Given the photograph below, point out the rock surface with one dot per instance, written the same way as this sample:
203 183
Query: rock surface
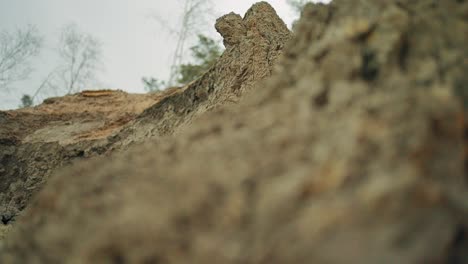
253 44
352 152
35 142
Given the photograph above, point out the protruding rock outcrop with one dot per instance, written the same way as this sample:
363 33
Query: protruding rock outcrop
253 44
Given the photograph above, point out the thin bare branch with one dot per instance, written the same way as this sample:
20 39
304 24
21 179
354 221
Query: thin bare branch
81 56
16 50
191 23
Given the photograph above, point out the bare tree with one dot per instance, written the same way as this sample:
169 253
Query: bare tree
16 50
47 86
191 23
81 57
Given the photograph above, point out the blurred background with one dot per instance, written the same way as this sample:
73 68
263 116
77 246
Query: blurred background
56 47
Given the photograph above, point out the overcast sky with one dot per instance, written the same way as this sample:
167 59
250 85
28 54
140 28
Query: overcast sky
133 44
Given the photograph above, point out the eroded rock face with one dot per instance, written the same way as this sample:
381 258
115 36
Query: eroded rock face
253 44
34 143
351 153
232 29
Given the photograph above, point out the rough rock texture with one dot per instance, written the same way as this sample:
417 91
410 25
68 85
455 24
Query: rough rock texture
253 44
35 142
351 153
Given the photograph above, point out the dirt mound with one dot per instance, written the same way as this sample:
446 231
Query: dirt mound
351 153
36 142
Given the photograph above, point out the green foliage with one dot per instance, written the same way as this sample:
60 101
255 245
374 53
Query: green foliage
26 101
205 54
152 84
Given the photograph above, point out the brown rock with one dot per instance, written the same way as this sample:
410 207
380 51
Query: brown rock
351 153
232 29
252 46
35 142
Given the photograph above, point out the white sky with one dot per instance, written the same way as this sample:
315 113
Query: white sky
134 45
